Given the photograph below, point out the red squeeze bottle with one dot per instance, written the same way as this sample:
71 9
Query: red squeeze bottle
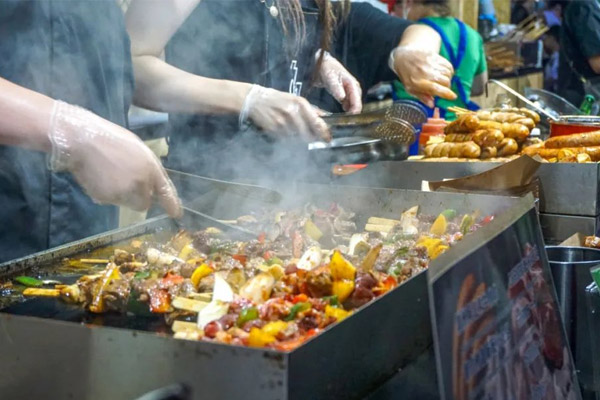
433 127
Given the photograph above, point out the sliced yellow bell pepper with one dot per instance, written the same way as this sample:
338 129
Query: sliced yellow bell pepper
273 328
199 273
342 289
437 251
312 230
258 338
186 251
341 268
439 226
431 244
337 313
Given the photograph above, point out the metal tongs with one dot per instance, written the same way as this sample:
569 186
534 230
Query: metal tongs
244 190
522 98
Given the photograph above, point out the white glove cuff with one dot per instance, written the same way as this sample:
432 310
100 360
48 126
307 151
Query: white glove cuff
246 107
60 155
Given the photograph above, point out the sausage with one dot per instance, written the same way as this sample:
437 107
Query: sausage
514 131
528 122
488 137
530 114
508 147
449 149
592 151
576 140
489 152
464 123
459 137
527 113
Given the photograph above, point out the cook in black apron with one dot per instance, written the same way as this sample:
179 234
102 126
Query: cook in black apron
76 51
240 40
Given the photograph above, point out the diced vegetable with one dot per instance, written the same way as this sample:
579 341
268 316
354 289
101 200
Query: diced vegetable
312 230
241 258
343 289
341 268
337 313
300 298
199 273
183 303
142 275
359 244
259 288
449 214
258 338
212 312
221 290
434 246
274 328
186 252
247 315
160 301
297 308
184 326
171 279
439 226
437 251
333 300
28 281
273 260
371 258
466 224
311 259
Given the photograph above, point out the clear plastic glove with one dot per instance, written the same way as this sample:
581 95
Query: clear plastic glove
340 83
283 114
424 74
112 164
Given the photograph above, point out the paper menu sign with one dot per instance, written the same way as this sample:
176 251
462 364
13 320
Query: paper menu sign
496 323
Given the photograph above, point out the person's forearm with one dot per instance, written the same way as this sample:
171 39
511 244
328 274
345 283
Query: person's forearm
423 37
162 87
24 117
594 63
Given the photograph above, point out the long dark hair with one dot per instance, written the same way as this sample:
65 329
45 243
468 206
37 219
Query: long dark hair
292 20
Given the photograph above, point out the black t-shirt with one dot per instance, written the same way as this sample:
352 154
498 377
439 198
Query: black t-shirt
580 40
363 44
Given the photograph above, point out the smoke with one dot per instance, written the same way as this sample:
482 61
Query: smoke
239 41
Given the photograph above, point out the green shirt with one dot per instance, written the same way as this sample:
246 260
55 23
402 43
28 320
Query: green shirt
473 62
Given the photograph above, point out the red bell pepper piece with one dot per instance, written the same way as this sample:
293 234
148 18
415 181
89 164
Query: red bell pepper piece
160 301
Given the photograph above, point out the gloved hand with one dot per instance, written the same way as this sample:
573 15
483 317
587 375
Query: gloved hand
112 164
279 113
424 74
340 84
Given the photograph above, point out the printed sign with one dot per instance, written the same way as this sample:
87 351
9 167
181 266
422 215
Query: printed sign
497 328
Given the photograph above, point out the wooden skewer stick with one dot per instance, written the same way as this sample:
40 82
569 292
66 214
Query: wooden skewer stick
94 261
41 292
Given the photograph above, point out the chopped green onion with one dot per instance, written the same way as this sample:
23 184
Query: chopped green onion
29 281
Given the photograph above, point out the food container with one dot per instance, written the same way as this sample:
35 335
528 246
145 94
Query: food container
571 124
570 268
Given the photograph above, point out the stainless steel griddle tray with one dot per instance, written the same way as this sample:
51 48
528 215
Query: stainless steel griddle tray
348 360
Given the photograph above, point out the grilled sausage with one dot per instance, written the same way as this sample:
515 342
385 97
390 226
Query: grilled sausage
508 147
576 140
464 123
514 131
488 137
489 152
459 137
448 149
592 151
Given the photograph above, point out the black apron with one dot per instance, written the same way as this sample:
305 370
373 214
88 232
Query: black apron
239 40
76 51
